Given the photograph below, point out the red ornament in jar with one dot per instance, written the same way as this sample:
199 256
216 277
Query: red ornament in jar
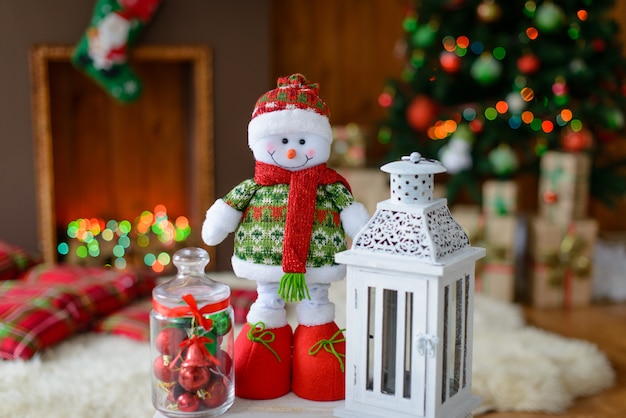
188 402
192 378
162 369
216 393
169 339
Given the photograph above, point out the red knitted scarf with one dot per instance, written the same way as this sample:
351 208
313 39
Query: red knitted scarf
300 206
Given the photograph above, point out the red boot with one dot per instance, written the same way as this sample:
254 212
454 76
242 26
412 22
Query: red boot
263 362
318 362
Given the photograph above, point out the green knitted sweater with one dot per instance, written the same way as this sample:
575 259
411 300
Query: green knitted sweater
259 236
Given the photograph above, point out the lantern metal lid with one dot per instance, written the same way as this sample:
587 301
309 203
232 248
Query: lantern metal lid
412 178
412 223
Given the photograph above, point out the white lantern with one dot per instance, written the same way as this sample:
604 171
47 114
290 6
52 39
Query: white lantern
409 312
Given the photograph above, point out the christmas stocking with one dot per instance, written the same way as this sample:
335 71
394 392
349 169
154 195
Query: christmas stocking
102 52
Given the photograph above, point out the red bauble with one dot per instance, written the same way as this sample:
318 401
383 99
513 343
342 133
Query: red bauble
162 370
421 113
576 140
188 402
216 394
192 378
168 339
385 99
226 363
476 126
175 392
598 45
550 197
528 64
450 62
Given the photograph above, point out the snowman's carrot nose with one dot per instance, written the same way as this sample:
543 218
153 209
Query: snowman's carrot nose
291 153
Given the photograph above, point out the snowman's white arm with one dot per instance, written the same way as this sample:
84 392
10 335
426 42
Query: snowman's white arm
220 220
353 218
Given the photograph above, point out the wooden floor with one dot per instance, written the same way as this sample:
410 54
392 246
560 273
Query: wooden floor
604 325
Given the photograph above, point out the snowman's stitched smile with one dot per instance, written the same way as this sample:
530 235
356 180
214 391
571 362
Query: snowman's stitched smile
271 154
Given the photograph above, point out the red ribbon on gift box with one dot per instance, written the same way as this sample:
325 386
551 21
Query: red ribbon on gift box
566 263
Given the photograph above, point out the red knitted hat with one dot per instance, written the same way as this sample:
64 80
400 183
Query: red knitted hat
293 107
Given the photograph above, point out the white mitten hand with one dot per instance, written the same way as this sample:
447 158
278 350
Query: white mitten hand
220 221
353 218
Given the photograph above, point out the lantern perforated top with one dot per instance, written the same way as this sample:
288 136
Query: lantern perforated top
412 179
412 223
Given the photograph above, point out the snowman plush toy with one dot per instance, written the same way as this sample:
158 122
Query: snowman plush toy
289 221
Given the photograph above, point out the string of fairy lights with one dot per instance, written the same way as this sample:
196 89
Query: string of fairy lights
152 231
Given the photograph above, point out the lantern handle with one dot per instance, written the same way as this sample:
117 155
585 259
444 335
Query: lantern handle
417 158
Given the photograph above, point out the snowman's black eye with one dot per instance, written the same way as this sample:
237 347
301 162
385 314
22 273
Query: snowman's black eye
302 142
285 140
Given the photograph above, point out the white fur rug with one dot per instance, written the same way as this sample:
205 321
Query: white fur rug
522 368
516 367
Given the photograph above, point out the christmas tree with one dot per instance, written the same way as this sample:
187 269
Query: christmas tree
491 85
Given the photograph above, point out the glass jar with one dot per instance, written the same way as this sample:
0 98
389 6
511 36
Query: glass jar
191 341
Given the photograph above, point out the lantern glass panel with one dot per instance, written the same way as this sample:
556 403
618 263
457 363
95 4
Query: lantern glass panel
455 382
408 332
456 298
390 328
389 347
371 324
453 344
465 316
446 343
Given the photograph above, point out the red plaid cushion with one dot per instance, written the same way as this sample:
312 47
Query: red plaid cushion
14 292
132 321
14 261
54 301
101 290
33 317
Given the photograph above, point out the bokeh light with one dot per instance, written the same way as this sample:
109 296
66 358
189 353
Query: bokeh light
527 94
92 233
532 33
547 126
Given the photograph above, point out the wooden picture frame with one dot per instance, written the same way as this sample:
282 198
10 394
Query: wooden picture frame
198 121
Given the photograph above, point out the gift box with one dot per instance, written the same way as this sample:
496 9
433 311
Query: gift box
495 274
471 220
500 197
564 186
348 148
561 270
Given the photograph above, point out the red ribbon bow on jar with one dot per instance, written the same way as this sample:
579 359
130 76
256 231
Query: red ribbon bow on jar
192 309
197 353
